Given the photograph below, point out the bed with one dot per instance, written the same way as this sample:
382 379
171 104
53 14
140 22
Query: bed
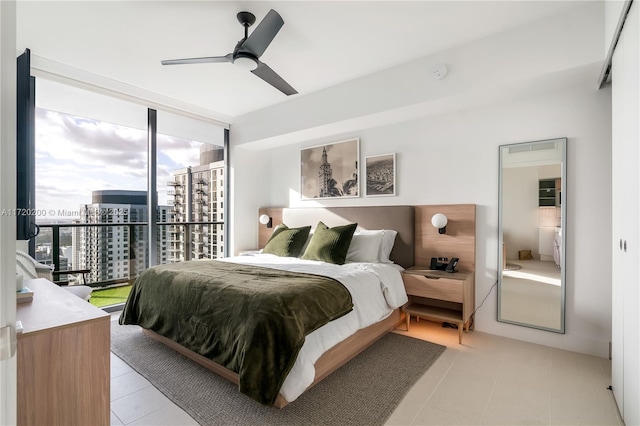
374 290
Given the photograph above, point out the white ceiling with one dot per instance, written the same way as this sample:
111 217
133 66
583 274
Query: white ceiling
322 43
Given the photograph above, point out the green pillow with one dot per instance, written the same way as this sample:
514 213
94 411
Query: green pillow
287 242
330 244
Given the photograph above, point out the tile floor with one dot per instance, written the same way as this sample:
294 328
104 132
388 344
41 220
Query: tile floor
487 380
134 401
492 380
532 294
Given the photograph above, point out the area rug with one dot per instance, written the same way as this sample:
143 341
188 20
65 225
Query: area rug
365 391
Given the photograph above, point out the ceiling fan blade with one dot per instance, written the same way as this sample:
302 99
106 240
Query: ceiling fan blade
226 58
264 33
267 74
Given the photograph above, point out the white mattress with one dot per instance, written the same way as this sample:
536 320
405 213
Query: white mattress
376 290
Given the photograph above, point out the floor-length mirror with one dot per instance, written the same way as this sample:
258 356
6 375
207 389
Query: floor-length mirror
532 224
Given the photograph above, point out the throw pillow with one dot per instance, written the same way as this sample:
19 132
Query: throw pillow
287 242
330 244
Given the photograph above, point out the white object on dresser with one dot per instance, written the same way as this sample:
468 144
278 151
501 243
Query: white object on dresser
30 268
19 281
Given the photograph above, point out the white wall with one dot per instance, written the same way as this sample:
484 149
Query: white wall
250 177
489 69
453 158
533 83
520 210
522 217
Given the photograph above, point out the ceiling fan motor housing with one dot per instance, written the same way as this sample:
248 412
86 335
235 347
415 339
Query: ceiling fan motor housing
245 61
247 19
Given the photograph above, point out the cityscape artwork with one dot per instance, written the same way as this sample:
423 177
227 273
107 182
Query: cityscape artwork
381 175
330 170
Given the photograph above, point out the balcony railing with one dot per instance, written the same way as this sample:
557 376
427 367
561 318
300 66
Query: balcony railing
133 244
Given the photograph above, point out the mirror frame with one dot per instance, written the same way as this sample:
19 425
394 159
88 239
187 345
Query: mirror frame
562 146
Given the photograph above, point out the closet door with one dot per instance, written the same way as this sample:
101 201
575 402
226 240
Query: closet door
617 227
625 228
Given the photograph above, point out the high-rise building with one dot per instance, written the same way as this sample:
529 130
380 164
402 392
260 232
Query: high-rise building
325 176
198 196
116 253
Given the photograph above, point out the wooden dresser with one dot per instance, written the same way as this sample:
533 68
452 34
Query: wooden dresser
63 359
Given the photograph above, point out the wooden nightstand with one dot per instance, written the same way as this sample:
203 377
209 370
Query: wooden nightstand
440 296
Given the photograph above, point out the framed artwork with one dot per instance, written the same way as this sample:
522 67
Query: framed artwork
381 175
330 170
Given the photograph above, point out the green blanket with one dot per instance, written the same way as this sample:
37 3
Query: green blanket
252 320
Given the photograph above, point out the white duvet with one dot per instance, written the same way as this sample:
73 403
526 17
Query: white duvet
376 290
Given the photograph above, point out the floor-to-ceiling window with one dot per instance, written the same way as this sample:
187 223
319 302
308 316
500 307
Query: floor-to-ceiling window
92 181
190 180
90 175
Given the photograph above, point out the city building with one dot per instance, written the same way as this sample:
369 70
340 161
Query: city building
325 176
198 197
116 253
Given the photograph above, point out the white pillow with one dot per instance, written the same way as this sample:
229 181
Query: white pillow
365 246
388 240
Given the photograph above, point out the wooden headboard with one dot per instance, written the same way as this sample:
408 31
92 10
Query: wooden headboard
398 218
459 240
417 242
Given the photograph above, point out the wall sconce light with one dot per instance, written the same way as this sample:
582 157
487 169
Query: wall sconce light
266 220
440 221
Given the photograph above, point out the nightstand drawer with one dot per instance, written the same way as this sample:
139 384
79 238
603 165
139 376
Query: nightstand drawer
435 288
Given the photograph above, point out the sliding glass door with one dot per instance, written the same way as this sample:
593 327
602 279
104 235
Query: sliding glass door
122 187
90 185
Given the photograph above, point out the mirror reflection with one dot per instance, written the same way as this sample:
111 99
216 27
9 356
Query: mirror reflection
531 224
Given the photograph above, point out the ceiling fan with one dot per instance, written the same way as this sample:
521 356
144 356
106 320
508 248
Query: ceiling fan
249 49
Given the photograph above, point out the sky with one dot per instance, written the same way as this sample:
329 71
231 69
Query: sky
75 156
